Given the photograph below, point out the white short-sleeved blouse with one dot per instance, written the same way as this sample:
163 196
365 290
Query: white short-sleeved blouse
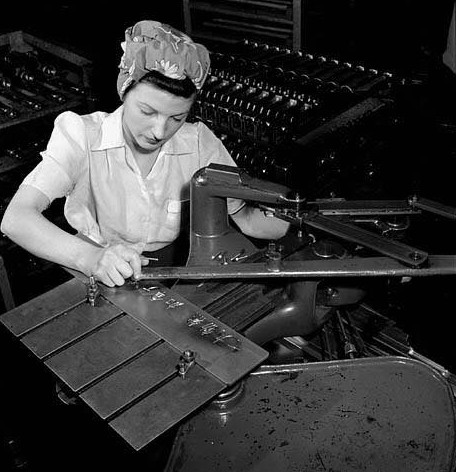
88 162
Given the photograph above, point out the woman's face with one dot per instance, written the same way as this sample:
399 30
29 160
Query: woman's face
151 116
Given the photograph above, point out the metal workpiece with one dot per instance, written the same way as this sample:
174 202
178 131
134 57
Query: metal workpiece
45 308
126 351
189 327
70 326
99 352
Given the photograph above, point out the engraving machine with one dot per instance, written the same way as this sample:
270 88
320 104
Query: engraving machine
145 356
289 309
212 236
309 415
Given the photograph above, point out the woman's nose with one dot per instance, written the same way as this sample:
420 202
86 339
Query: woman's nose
159 128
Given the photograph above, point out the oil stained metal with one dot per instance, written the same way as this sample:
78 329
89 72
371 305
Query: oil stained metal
376 414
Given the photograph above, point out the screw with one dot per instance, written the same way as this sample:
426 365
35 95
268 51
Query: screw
415 256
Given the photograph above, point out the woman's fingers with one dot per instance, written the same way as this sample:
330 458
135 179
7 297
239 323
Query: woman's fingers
115 276
118 263
132 257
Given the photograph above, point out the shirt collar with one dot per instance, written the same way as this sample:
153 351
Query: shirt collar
111 131
185 141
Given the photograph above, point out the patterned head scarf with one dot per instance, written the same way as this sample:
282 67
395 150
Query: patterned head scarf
150 45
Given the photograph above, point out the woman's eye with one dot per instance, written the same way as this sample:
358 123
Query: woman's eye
147 112
178 119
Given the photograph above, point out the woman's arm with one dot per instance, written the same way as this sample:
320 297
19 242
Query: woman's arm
253 222
24 223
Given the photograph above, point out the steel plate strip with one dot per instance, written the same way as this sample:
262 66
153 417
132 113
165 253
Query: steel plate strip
156 413
135 379
44 307
100 352
69 327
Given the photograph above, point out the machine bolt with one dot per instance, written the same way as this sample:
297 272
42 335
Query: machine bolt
415 256
188 356
201 180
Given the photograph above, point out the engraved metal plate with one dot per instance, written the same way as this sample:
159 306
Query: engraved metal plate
121 357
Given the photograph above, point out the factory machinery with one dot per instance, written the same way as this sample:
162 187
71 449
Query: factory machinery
261 355
311 122
38 80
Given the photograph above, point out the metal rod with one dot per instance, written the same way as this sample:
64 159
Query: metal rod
434 207
356 267
364 207
402 252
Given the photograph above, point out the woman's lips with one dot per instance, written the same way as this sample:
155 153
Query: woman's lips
152 141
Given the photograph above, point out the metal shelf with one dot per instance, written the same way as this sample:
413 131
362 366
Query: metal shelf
228 21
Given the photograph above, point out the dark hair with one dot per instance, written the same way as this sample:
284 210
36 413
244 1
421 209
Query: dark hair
182 88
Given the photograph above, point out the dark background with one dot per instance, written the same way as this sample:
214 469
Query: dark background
407 36
95 29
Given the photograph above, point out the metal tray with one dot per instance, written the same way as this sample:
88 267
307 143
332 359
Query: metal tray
380 414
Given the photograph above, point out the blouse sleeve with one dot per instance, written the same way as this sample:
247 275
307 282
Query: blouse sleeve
62 159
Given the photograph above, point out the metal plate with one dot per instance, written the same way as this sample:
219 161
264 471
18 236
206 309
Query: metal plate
43 308
162 409
133 381
121 356
102 351
209 338
68 327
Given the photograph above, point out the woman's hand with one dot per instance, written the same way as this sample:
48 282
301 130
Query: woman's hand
117 263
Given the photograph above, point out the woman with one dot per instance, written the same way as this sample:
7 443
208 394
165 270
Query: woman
125 174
